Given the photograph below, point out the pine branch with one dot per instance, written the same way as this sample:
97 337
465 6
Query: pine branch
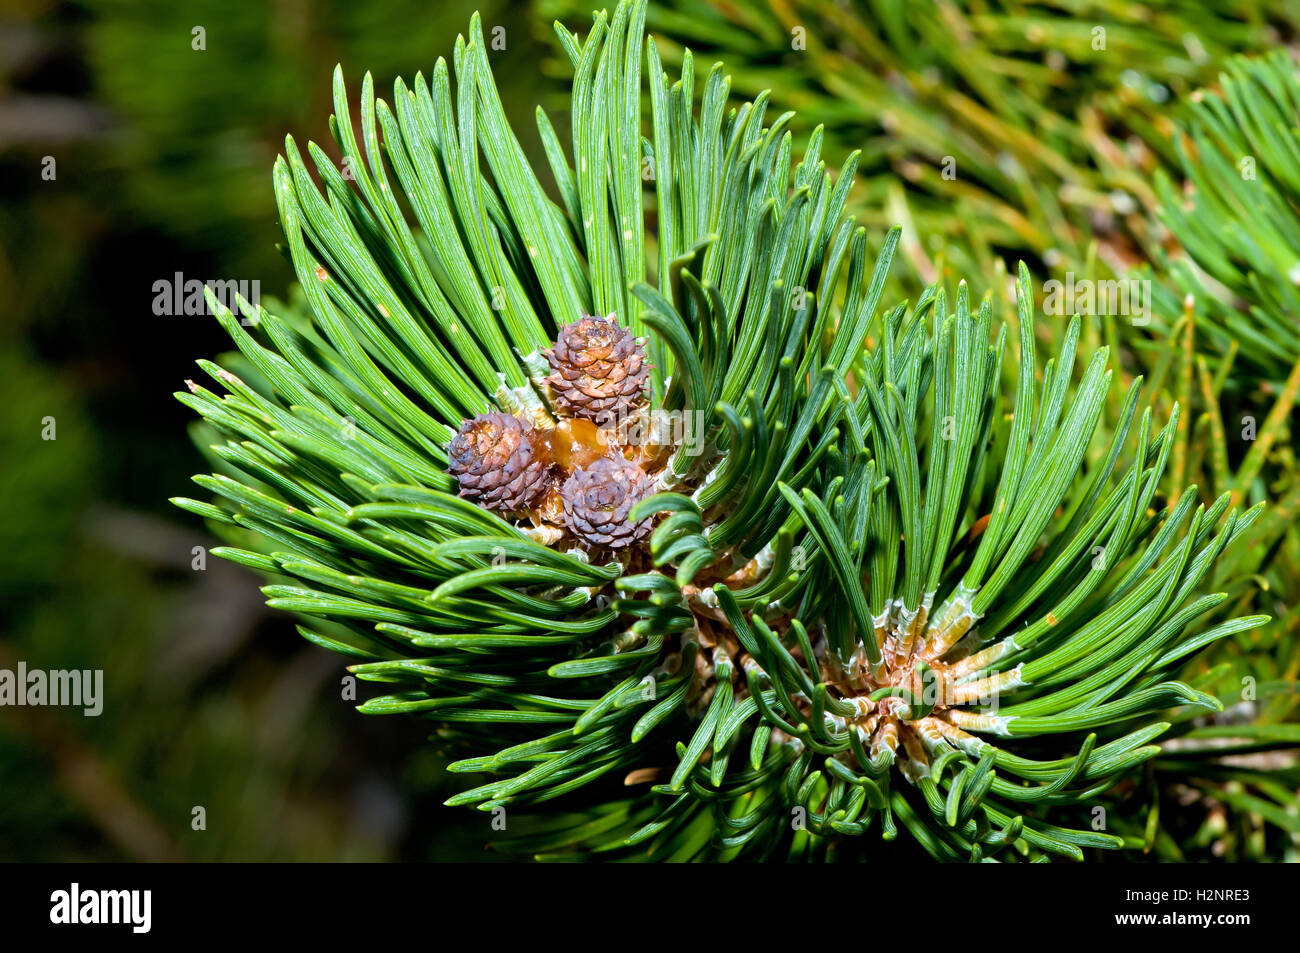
871 597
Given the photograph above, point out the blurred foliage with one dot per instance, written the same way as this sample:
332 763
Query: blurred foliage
989 128
197 149
41 493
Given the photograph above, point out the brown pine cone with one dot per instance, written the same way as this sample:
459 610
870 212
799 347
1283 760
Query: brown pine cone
497 462
598 498
598 370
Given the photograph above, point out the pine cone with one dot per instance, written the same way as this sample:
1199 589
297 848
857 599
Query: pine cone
598 370
497 462
597 501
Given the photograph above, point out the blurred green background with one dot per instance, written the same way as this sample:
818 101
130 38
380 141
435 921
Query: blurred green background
161 157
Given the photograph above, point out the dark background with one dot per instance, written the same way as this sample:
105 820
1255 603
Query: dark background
162 161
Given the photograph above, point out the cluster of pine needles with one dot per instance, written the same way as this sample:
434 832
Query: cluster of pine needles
690 541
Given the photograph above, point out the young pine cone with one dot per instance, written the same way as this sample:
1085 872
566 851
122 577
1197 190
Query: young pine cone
598 370
598 498
498 463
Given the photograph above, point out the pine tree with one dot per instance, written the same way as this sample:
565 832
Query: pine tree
819 575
